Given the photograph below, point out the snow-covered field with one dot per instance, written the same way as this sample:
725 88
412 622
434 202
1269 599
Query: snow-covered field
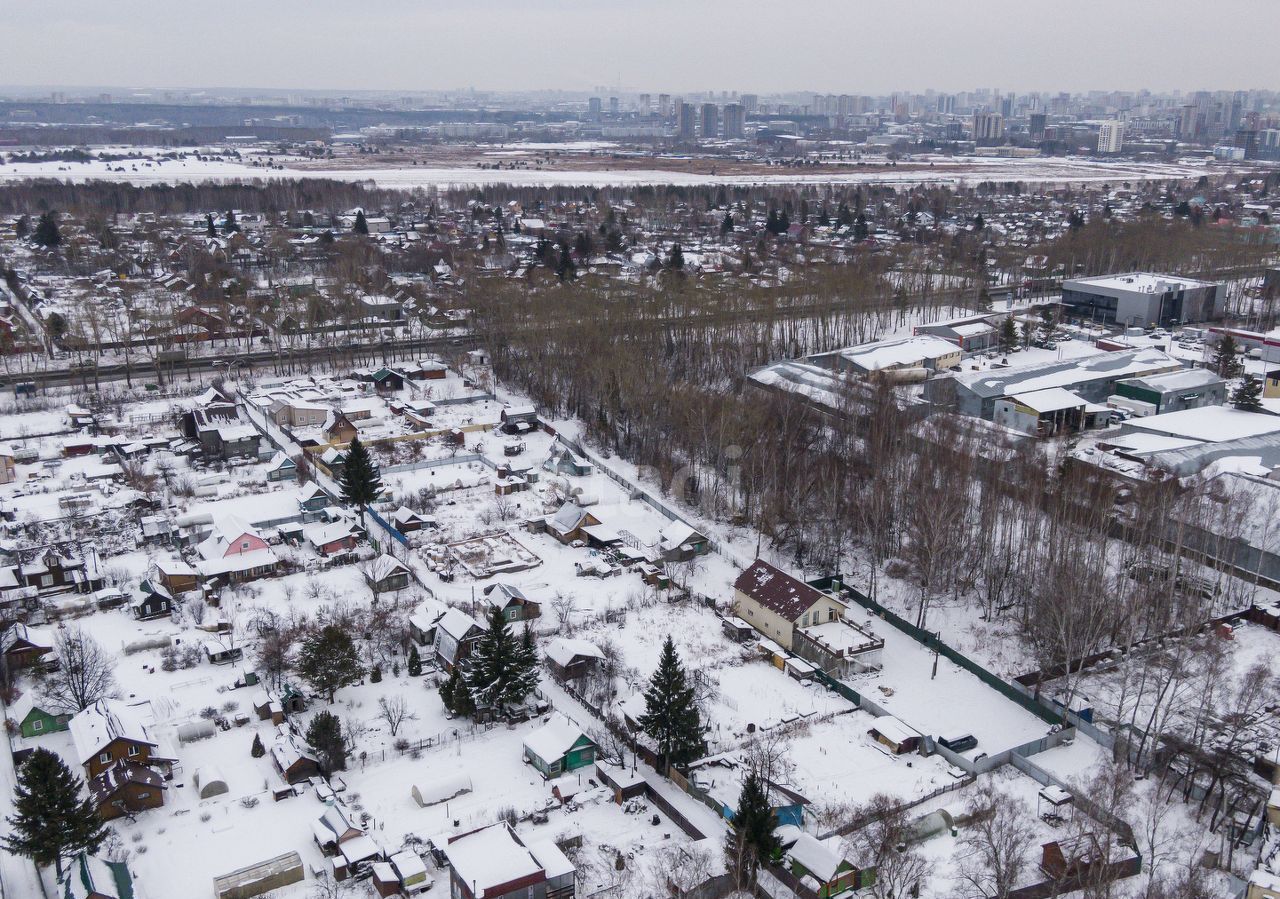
949 171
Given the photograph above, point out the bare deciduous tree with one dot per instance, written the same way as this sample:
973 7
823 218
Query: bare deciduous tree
394 712
85 673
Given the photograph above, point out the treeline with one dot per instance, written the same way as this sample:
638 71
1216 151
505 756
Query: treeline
270 195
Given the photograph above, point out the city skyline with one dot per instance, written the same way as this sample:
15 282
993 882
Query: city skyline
551 45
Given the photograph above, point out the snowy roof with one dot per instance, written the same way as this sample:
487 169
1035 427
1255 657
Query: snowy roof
408 864
1211 424
490 858
893 730
1052 399
445 787
104 721
554 862
895 353
563 650
457 624
1137 282
551 741
236 562
1066 372
677 533
329 533
1188 379
384 566
816 857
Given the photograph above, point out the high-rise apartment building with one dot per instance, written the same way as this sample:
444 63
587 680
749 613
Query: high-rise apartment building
735 121
710 121
1111 136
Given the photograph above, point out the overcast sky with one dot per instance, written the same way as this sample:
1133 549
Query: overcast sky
839 46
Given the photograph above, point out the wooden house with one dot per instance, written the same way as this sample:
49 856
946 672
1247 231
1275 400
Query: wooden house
456 634
559 747
126 788
510 599
821 867
570 659
152 601
25 646
339 429
281 468
32 717
387 574
174 575
293 761
109 731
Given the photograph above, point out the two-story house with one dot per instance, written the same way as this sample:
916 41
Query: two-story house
776 604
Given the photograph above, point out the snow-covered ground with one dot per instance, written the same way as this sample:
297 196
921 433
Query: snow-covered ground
950 171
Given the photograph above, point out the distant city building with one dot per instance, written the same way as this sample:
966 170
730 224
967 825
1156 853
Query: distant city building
686 125
988 127
1111 137
595 106
710 121
664 105
946 104
613 106
735 121
644 105
751 103
1036 127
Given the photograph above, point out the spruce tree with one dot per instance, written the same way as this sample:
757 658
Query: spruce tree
671 717
565 269
22 228
209 228
1226 361
456 695
415 661
1248 396
328 660
229 223
361 482
1008 335
676 260
751 841
502 669
324 735
361 225
50 820
47 234
726 226
257 750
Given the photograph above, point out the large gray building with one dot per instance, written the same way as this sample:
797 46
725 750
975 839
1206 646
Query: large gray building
1143 299
1092 378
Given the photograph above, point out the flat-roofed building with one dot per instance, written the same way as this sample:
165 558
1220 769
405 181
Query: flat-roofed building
1143 298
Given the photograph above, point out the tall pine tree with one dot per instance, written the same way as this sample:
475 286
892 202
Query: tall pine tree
50 820
1226 360
328 660
1248 396
361 225
751 842
324 735
671 716
361 481
47 233
502 669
